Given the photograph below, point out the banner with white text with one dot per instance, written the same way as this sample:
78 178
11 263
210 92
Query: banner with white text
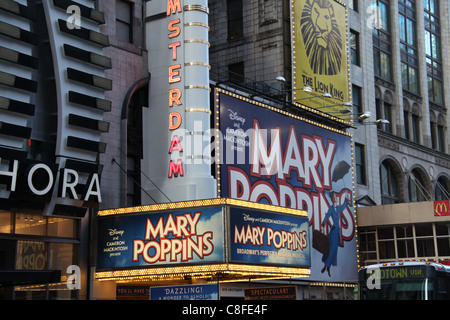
161 238
269 238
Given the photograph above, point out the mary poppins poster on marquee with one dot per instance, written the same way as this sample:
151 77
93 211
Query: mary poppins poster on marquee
273 157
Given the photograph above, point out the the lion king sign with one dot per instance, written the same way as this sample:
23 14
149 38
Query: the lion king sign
320 56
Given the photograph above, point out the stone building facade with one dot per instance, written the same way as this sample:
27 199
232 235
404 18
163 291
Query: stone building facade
399 75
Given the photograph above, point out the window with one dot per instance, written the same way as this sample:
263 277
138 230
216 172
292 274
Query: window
31 224
433 134
442 189
419 241
406 123
5 221
356 100
433 51
408 45
354 47
415 127
235 19
124 19
405 242
424 240
368 244
416 187
389 185
386 244
384 111
360 163
39 243
387 115
437 127
440 138
138 101
236 72
39 255
353 4
442 239
382 42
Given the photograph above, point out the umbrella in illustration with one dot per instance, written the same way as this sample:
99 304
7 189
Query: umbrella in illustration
340 170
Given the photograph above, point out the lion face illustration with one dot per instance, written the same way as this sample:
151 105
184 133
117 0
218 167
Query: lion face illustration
321 37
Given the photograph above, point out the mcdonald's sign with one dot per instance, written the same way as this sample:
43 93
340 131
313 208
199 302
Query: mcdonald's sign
441 208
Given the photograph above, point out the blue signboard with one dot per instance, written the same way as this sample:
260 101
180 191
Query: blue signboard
188 292
273 157
269 238
161 238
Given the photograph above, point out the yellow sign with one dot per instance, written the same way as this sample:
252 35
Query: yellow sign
320 74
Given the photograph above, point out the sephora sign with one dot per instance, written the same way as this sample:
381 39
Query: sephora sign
40 179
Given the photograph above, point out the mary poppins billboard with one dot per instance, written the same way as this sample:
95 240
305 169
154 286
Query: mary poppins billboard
270 156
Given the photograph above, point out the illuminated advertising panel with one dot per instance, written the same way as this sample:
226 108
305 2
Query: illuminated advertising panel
189 292
320 56
268 238
165 238
202 239
270 156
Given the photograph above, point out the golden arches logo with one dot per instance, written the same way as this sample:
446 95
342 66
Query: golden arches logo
441 208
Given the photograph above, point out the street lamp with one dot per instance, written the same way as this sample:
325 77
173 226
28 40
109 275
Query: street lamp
381 121
347 104
283 80
365 115
325 95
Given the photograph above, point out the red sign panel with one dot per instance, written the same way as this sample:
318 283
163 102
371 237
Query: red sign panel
441 208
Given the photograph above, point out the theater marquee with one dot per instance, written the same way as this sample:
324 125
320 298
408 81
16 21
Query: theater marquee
216 239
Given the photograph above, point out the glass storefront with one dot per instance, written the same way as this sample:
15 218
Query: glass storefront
415 241
32 242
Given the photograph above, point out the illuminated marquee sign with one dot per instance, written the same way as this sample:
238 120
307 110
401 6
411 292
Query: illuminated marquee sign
161 238
266 238
216 237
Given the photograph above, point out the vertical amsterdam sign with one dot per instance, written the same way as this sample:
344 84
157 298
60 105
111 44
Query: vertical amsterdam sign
176 158
174 72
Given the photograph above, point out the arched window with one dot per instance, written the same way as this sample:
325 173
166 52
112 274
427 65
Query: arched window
415 124
136 102
441 134
438 129
389 184
442 189
416 187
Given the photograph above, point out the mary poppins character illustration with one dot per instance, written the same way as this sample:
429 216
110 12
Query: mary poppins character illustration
334 235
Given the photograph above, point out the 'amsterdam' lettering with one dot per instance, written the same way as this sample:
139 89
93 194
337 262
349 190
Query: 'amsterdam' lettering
174 77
